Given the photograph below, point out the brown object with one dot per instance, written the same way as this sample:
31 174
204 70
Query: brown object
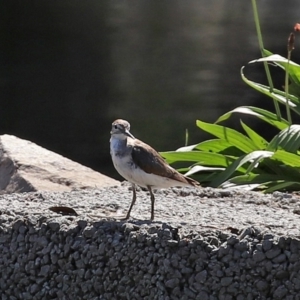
291 42
297 27
64 210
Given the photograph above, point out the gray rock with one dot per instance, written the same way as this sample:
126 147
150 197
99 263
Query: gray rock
201 276
267 244
282 242
241 246
44 271
172 243
232 240
282 274
224 250
280 258
202 296
258 256
262 285
25 167
226 281
280 292
294 257
273 252
54 225
172 283
295 246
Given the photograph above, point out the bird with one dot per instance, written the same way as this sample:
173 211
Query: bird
142 165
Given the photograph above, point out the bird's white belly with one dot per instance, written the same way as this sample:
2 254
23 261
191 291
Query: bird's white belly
133 174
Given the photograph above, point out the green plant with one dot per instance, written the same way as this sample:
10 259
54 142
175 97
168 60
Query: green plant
247 160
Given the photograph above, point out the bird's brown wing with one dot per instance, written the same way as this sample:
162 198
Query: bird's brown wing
151 162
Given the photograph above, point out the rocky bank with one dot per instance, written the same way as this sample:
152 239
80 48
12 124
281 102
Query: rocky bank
203 244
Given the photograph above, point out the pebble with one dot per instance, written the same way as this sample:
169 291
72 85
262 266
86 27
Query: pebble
258 256
267 244
225 281
273 252
172 283
280 292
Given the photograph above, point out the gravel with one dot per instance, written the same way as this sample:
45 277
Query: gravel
204 244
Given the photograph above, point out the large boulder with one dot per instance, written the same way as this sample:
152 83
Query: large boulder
26 167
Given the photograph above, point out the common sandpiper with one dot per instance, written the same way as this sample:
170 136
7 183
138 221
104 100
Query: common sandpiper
141 165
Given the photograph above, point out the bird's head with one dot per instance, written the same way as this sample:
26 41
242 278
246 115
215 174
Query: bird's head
121 129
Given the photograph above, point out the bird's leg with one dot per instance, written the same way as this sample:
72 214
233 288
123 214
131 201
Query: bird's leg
132 202
152 202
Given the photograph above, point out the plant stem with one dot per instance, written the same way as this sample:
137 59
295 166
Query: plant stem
261 46
186 137
286 85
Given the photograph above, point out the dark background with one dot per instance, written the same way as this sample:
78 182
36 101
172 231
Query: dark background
69 68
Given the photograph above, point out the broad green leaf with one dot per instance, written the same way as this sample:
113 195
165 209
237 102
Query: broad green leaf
292 98
287 158
244 187
255 155
293 69
257 139
262 114
218 146
266 182
200 157
254 164
294 89
236 160
275 165
196 169
288 139
266 187
187 148
278 59
281 185
275 94
267 52
231 136
213 145
203 176
254 178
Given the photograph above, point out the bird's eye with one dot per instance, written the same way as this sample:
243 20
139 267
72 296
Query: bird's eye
116 127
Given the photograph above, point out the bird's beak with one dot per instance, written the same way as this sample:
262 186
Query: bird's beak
129 134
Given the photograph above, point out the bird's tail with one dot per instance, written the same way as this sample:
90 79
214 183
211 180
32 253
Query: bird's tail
192 181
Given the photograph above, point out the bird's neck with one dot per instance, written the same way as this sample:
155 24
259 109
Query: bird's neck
118 146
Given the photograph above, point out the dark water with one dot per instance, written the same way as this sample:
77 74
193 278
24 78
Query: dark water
69 68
